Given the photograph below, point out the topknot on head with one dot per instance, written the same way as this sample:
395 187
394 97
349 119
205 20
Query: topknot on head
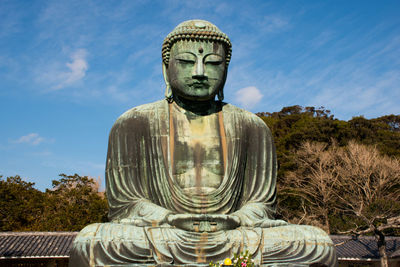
195 30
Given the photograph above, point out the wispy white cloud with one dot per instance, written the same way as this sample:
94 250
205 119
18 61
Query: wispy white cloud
44 153
273 22
362 95
224 8
56 75
117 94
32 139
364 83
77 69
323 38
11 22
248 97
348 76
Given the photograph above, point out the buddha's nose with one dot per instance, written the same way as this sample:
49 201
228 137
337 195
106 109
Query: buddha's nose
198 72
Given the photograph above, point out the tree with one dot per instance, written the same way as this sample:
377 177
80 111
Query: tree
312 184
73 203
383 132
369 191
20 204
354 183
294 125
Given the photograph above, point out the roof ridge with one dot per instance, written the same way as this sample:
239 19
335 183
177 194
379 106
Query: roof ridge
37 233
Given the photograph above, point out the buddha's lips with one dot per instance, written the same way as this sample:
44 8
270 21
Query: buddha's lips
200 84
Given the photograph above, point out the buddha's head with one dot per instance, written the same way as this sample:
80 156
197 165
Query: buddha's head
195 56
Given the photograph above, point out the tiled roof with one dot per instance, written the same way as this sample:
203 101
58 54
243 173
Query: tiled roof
35 244
396 254
58 245
364 247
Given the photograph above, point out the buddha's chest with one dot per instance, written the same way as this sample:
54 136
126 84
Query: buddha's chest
197 159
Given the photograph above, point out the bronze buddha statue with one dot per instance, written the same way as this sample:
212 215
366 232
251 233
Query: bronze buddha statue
191 179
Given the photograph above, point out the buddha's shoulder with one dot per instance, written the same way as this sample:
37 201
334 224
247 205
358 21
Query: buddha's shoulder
142 112
243 115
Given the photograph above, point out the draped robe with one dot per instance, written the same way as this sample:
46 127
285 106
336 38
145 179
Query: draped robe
141 191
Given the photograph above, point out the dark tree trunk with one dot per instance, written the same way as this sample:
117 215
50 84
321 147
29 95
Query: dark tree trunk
382 248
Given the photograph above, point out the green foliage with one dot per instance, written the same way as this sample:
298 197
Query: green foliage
73 203
20 204
384 132
294 125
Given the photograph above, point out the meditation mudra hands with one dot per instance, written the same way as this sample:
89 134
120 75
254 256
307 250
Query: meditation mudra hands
203 222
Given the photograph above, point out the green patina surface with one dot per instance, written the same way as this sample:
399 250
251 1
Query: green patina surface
191 179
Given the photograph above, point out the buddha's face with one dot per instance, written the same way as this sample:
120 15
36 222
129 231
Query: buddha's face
196 70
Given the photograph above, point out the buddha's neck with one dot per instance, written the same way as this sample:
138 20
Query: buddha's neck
197 107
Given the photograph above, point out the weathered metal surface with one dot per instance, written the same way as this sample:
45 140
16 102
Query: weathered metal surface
191 179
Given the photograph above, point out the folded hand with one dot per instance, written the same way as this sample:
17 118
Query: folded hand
203 222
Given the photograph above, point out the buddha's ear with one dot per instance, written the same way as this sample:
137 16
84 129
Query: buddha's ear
168 91
220 93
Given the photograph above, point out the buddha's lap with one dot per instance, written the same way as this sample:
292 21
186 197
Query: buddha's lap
114 244
128 235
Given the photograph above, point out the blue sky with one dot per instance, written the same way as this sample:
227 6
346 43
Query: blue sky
68 69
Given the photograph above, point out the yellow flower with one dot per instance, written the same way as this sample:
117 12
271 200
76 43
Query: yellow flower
227 261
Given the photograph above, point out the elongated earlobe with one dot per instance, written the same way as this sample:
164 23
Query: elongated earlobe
168 91
220 94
